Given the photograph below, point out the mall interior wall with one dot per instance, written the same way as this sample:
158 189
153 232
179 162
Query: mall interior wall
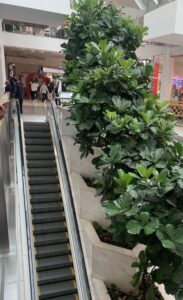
60 7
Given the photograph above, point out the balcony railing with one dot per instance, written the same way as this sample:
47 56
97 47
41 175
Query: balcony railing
34 29
149 5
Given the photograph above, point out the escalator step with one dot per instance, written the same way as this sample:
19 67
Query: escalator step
52 251
46 207
52 263
41 156
50 239
57 289
37 134
42 171
49 228
68 297
41 164
45 188
36 124
36 129
30 141
37 149
36 180
51 197
47 217
54 276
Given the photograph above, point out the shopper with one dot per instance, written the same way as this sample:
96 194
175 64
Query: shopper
34 88
50 89
58 94
44 91
8 87
20 94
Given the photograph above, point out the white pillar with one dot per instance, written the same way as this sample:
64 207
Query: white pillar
2 62
166 75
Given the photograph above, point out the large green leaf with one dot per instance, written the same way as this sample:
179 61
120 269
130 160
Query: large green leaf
134 227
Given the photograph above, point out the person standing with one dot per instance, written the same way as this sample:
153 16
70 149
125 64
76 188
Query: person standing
50 89
44 91
34 88
20 94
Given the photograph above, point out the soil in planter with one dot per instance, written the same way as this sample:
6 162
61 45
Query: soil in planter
116 294
89 181
107 237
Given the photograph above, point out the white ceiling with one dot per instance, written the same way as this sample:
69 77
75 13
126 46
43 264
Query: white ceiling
33 57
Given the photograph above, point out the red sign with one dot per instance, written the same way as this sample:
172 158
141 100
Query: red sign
155 80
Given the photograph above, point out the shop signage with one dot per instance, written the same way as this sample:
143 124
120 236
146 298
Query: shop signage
177 81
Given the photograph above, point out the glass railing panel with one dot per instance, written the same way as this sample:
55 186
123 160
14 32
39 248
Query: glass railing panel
149 5
34 29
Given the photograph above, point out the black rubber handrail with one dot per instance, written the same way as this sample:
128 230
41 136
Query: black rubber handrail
33 289
72 204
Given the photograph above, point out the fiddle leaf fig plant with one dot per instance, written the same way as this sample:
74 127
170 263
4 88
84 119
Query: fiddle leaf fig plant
148 206
140 173
101 94
92 21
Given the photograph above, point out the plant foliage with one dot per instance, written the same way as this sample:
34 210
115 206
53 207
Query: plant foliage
141 166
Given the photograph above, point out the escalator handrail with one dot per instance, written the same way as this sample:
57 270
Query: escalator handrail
72 204
27 219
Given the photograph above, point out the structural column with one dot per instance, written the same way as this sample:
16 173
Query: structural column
166 76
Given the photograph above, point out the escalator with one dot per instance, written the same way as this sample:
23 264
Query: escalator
54 269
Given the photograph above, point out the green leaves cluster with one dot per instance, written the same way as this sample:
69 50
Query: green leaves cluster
99 102
140 173
92 21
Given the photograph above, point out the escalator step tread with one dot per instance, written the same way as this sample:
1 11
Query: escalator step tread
42 171
35 129
47 207
52 263
49 228
32 141
50 239
42 124
37 149
57 275
51 217
42 156
52 250
68 297
36 180
57 289
37 134
41 189
41 164
46 198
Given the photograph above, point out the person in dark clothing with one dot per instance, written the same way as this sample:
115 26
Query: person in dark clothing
8 87
20 94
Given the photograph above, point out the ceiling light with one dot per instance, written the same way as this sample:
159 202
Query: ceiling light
140 4
156 2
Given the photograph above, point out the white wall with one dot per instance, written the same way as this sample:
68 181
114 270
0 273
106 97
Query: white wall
60 7
161 21
149 51
179 17
31 42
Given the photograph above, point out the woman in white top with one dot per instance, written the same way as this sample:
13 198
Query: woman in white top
34 88
44 91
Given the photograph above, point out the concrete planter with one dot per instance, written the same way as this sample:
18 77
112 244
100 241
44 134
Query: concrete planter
109 263
101 293
66 130
75 164
88 204
100 290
